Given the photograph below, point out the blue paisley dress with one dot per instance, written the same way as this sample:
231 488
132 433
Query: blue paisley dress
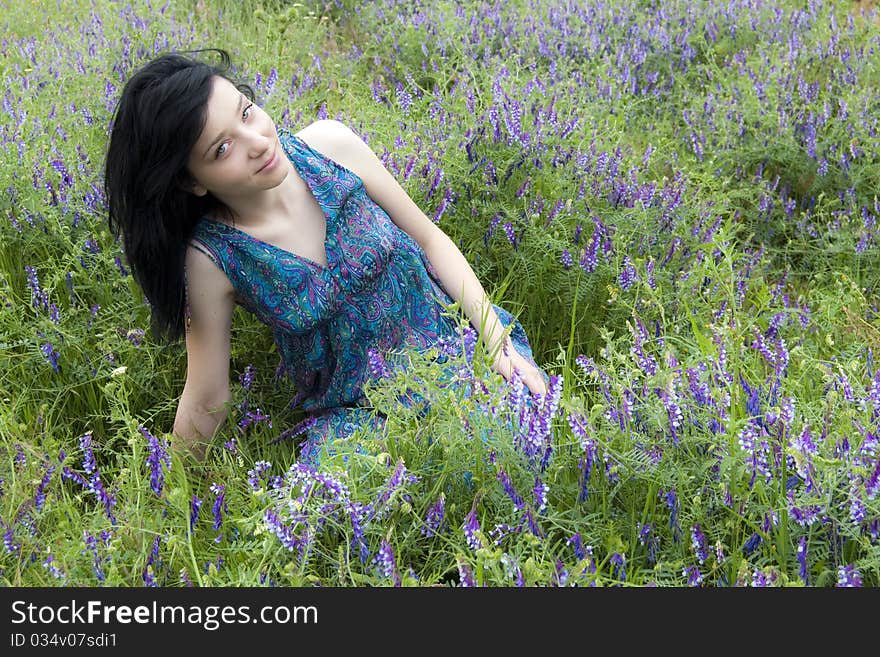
378 290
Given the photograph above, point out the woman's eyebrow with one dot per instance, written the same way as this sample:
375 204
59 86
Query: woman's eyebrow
223 134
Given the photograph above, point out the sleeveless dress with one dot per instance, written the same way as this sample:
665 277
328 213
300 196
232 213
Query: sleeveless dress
378 290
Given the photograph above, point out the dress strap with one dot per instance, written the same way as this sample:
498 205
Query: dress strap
199 245
330 182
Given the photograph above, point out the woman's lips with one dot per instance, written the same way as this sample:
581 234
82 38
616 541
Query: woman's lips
269 164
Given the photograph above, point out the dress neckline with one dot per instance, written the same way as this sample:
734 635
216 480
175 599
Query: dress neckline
285 252
328 232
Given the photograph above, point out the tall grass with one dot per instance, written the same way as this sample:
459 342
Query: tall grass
676 199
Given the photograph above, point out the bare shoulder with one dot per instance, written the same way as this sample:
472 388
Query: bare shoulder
204 277
335 140
341 144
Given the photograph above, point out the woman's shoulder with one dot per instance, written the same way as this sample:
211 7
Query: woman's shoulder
324 129
342 145
204 273
328 136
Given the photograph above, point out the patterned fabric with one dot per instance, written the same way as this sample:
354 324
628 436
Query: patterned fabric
378 290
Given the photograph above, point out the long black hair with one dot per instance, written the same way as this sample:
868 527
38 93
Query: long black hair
158 119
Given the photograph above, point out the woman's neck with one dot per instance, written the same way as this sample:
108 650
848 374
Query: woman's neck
256 209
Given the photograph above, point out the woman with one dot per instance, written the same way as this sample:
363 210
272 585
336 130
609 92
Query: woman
308 231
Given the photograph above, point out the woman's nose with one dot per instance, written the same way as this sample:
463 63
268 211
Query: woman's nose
259 144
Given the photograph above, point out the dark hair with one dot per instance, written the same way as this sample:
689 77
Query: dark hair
158 119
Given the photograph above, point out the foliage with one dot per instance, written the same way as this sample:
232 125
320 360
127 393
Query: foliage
676 199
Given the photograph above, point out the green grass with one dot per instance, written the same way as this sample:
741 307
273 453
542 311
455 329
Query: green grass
718 402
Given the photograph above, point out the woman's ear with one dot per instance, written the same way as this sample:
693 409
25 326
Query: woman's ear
189 184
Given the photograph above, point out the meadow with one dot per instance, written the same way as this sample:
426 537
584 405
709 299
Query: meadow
677 199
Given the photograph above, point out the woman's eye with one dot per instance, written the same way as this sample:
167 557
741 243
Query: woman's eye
221 149
247 111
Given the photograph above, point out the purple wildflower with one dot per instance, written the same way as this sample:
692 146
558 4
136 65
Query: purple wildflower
512 569
447 201
560 577
39 297
284 533
93 545
536 438
529 518
646 362
618 566
246 378
649 270
194 507
671 500
471 528
219 505
270 81
752 543
385 560
803 571
379 368
848 576
50 355
752 440
507 485
540 490
698 541
184 578
135 336
502 531
628 275
435 518
647 537
872 485
673 410
399 477
251 417
578 546
693 575
9 543
55 571
589 260
511 234
258 473
804 516
465 575
122 270
404 98
356 512
566 260
93 483
579 425
157 457
40 497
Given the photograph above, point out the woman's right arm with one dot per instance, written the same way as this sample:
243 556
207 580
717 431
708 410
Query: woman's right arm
203 404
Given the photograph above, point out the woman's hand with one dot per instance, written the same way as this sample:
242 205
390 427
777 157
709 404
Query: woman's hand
531 376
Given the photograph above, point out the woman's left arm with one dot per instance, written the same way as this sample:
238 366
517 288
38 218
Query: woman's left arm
339 143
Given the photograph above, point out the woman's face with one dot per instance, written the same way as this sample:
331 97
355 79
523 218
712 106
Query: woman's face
238 155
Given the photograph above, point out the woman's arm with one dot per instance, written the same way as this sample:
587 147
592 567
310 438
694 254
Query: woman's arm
203 404
461 283
338 142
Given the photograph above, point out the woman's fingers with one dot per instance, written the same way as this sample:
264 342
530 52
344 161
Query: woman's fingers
536 383
531 375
